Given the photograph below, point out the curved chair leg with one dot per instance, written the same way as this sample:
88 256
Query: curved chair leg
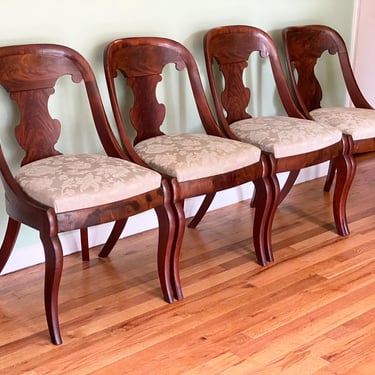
262 202
202 210
176 248
330 176
269 191
180 222
167 228
53 270
345 170
292 177
289 183
9 241
275 188
117 229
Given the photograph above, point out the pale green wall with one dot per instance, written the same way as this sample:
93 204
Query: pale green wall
88 25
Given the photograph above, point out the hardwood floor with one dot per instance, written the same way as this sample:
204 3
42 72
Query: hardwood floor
311 312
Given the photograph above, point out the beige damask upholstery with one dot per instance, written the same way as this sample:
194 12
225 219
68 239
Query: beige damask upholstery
192 156
72 182
285 136
357 122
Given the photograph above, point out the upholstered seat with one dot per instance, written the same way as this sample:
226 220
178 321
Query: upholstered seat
285 136
192 156
74 182
359 123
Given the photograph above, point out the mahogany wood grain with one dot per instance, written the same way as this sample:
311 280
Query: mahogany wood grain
311 312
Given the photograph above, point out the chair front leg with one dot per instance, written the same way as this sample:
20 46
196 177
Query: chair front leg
167 228
266 200
261 203
267 197
180 222
345 170
53 270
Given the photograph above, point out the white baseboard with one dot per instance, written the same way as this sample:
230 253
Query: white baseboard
26 256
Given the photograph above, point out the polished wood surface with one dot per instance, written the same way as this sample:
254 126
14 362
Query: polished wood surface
310 312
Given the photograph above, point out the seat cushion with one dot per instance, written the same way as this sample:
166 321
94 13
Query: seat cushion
72 182
192 156
357 122
285 136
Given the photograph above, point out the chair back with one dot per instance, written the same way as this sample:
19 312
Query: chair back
304 45
230 48
141 61
29 73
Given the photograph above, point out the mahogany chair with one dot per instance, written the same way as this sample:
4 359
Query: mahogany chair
304 46
54 192
289 143
194 163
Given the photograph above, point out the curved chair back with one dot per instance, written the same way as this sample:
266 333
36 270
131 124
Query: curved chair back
304 46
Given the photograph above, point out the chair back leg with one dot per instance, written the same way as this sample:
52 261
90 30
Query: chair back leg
10 237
